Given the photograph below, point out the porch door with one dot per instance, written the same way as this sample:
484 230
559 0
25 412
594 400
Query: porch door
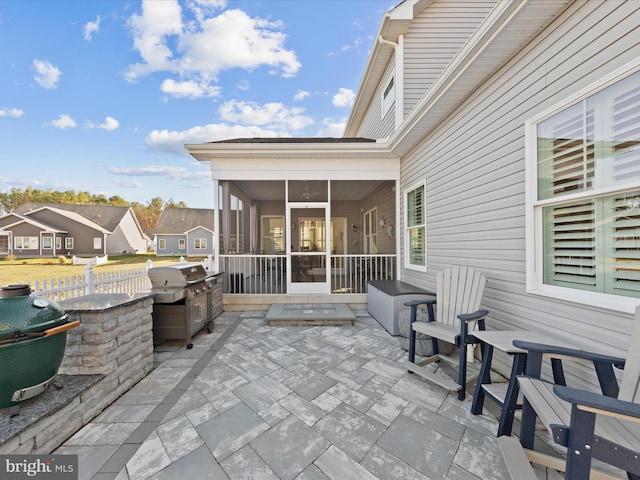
310 248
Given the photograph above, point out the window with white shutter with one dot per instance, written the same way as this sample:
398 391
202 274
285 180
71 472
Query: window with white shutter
588 192
415 228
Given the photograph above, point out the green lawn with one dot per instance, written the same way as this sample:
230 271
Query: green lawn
26 270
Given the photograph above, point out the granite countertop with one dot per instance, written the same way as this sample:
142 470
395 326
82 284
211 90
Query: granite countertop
102 301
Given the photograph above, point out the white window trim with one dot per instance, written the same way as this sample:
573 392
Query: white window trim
533 219
198 242
68 241
182 244
387 105
407 265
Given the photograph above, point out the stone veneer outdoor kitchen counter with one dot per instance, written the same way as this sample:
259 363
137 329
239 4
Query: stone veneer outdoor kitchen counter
105 356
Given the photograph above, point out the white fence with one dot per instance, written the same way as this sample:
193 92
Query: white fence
121 281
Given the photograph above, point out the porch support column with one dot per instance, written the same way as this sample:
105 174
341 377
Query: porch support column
226 197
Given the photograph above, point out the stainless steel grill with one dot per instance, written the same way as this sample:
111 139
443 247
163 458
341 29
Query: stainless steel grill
182 301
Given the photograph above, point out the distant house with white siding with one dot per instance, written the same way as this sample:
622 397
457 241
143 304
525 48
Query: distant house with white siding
44 230
185 231
505 136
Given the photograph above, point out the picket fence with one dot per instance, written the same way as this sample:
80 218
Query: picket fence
89 282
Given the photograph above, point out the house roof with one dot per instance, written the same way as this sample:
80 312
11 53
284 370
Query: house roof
504 32
175 221
21 219
107 216
76 217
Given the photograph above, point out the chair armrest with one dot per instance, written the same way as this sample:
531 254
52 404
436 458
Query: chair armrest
555 350
600 404
471 317
415 303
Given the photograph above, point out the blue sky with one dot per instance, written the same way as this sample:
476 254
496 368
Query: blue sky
101 96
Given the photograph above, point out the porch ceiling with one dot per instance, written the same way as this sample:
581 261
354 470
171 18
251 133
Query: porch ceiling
273 190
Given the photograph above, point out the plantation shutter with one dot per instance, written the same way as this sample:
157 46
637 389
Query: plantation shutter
625 125
416 226
566 153
570 249
623 249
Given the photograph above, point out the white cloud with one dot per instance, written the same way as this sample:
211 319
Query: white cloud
150 29
189 89
175 173
301 95
199 49
344 98
270 114
332 129
47 75
174 141
109 124
90 28
63 121
356 43
10 112
130 183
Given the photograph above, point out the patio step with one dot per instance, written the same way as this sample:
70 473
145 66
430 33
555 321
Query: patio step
325 314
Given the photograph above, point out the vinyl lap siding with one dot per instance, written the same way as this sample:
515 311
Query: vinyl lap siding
475 172
436 36
373 124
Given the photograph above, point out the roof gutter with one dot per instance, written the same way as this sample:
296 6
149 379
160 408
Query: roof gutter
398 49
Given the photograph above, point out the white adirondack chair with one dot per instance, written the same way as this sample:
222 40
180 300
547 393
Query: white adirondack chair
591 425
459 292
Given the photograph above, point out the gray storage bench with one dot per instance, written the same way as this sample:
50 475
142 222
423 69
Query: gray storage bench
385 300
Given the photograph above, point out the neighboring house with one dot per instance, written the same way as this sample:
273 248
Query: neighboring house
185 231
510 131
37 229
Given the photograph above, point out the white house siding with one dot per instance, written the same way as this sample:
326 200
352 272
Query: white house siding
434 38
373 124
127 237
475 172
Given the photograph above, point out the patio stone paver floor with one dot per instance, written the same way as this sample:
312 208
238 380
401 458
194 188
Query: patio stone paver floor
292 402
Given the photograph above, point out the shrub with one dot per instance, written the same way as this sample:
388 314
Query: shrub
62 259
11 258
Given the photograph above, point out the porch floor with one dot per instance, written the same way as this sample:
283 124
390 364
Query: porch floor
250 401
296 314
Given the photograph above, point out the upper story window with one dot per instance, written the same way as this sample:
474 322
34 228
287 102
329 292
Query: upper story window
388 96
586 195
415 235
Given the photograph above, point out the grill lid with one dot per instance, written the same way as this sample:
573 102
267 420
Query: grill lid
24 311
181 275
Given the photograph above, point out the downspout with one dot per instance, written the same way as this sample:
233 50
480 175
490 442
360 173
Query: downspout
399 75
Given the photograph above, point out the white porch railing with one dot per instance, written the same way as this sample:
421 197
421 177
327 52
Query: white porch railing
120 281
267 274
